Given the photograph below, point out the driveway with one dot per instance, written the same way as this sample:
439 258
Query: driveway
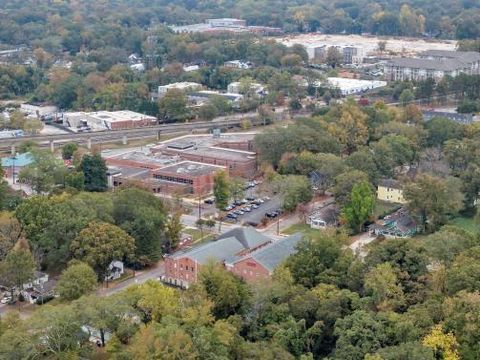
357 246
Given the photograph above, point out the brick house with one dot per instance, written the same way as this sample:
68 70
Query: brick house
260 264
183 267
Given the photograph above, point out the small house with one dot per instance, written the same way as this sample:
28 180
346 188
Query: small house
390 190
399 224
324 217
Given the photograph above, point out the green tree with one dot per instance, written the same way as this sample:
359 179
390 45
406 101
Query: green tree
77 280
320 259
143 216
95 172
221 192
295 190
406 97
360 207
173 231
359 334
442 129
173 106
44 172
344 184
68 150
229 294
433 199
382 284
99 244
18 267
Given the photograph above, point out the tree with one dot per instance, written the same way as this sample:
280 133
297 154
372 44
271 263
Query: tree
99 244
68 150
95 172
143 216
221 192
163 342
433 199
344 184
237 188
442 344
406 97
295 190
207 112
350 128
77 280
381 283
44 172
173 231
358 334
173 106
18 267
320 259
360 207
442 129
334 58
464 272
229 294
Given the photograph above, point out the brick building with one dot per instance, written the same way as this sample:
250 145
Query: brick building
260 264
236 153
197 177
182 268
243 251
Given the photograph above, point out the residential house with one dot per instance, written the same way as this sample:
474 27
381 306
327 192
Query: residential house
390 190
324 217
399 224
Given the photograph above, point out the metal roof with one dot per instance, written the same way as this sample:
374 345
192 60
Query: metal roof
274 254
226 246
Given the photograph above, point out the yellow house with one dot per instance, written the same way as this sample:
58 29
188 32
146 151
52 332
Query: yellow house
390 191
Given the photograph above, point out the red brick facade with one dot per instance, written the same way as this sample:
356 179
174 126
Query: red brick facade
249 270
181 272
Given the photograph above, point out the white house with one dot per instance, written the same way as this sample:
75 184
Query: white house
115 270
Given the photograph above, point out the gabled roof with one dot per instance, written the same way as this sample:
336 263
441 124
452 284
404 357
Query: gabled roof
390 183
247 236
274 254
226 246
465 56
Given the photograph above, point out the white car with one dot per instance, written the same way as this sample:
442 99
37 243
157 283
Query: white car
6 300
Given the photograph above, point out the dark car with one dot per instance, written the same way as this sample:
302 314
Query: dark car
209 201
232 216
271 214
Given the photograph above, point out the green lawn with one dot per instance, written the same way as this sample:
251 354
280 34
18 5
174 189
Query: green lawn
197 235
468 224
383 208
303 228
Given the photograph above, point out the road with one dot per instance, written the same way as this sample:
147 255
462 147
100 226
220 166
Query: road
359 242
139 278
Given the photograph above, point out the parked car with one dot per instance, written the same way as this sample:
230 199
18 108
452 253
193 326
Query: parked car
255 206
209 201
238 202
229 207
239 212
6 300
232 216
250 198
247 208
271 214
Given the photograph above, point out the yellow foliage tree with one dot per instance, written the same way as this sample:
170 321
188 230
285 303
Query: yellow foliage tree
442 344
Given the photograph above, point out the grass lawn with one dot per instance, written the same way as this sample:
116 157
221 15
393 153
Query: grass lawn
196 235
303 228
468 224
383 208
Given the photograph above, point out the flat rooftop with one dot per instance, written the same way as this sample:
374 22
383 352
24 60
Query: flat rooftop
142 157
128 172
190 168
